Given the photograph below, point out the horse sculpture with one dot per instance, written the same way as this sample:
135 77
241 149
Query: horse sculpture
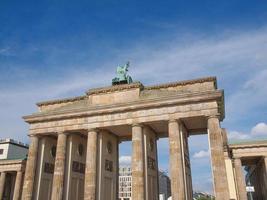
122 77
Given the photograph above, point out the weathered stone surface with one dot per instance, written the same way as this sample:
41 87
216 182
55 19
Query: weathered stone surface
18 183
2 183
107 165
217 159
138 180
11 166
130 92
265 175
75 167
240 179
176 161
58 179
252 154
91 166
114 97
113 110
151 164
30 169
45 167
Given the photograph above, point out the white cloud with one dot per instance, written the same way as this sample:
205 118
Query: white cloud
235 135
260 129
125 160
201 154
257 82
5 51
238 59
250 97
257 131
203 183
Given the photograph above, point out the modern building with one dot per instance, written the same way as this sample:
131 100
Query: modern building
12 166
125 184
164 185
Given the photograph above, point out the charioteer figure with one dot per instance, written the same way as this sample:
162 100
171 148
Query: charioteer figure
122 77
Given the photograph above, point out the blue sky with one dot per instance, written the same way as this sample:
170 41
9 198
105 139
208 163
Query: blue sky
53 49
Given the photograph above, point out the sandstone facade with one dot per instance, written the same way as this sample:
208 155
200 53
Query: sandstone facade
103 117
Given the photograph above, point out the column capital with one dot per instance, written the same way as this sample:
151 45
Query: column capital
138 125
92 130
174 120
213 116
34 136
237 158
62 132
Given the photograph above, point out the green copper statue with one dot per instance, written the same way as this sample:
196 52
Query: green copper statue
122 77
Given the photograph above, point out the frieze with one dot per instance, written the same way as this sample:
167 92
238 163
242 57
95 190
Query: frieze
128 86
49 168
108 165
141 104
151 163
78 167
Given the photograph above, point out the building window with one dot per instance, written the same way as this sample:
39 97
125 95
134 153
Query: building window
1 151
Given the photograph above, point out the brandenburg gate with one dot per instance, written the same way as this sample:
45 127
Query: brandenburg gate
73 151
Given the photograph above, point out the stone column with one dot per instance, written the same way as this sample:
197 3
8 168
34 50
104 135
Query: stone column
58 178
240 179
138 175
17 186
220 183
2 184
90 185
176 161
27 192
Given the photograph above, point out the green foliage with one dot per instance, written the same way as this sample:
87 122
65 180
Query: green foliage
205 198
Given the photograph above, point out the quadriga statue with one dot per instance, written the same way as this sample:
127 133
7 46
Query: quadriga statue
122 76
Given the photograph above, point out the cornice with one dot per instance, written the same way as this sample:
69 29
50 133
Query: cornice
115 88
126 87
181 83
247 145
12 161
58 101
134 105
